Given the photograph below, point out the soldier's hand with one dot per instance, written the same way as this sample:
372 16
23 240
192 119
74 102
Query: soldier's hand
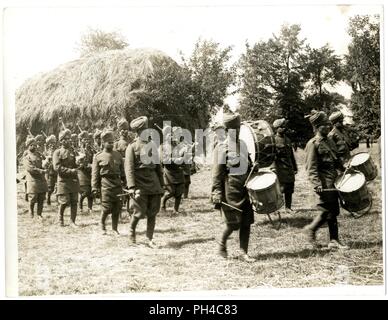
131 192
216 200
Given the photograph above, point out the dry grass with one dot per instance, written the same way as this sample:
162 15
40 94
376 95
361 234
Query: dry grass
54 260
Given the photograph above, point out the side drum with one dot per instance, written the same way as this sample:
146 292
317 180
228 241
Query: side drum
264 192
353 193
363 162
259 138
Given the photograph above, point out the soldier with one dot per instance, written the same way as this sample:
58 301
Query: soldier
231 168
74 142
97 141
144 180
51 175
84 162
40 143
321 165
188 161
285 163
340 137
36 181
107 175
174 179
219 134
122 144
67 184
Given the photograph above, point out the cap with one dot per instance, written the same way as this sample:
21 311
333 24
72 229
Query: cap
139 123
123 124
318 119
279 122
64 133
336 117
51 139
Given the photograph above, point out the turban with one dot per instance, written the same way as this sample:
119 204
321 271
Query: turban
336 117
51 139
83 135
39 138
318 119
139 123
107 135
279 122
123 124
64 133
232 121
29 141
166 130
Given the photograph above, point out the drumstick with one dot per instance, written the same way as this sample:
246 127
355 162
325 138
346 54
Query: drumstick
158 127
228 205
249 175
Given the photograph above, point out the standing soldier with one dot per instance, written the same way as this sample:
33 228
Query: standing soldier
84 162
67 184
51 175
144 180
187 150
340 137
40 143
231 168
107 175
285 163
321 165
174 179
122 144
97 141
74 142
36 181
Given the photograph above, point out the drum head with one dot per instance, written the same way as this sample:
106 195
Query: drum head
259 138
351 182
359 158
262 181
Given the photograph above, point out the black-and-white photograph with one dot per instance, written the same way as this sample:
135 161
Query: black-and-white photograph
189 148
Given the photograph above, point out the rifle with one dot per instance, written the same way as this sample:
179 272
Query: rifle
44 133
63 125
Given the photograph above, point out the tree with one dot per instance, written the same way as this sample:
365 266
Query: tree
95 40
271 78
362 71
323 69
211 71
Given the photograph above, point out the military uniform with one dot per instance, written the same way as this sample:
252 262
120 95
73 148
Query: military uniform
107 175
85 176
322 164
231 167
285 163
340 137
67 182
144 178
36 181
51 175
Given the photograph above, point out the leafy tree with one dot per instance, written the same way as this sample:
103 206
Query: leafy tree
362 71
211 71
95 40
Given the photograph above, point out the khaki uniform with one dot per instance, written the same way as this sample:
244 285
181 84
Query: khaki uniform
107 175
322 163
85 177
121 146
35 178
343 143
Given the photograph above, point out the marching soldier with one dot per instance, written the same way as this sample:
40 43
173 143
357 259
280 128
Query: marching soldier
321 165
144 180
340 137
67 183
51 175
285 163
231 168
174 179
107 176
188 161
84 162
35 176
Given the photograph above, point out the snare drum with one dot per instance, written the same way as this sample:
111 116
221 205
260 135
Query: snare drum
363 162
260 141
353 192
264 192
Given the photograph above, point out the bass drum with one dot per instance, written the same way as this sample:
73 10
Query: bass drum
260 141
264 192
353 193
363 162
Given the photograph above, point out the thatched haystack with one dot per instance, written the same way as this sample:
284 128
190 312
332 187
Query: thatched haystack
94 90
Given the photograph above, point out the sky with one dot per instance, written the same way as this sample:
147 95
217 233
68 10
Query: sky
38 39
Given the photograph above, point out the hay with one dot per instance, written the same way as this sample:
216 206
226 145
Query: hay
89 90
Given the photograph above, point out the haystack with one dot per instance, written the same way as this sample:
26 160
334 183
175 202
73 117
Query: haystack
94 90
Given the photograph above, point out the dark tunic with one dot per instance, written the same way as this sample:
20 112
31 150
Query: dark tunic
285 163
35 177
342 142
64 162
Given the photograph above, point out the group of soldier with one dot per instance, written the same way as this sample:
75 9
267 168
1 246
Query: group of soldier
90 166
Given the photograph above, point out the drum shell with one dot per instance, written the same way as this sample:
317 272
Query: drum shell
270 197
368 168
356 200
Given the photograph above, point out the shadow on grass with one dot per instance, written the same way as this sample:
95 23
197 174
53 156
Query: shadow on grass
293 222
303 254
168 230
180 244
364 244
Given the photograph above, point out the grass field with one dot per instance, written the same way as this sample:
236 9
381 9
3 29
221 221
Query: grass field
55 260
